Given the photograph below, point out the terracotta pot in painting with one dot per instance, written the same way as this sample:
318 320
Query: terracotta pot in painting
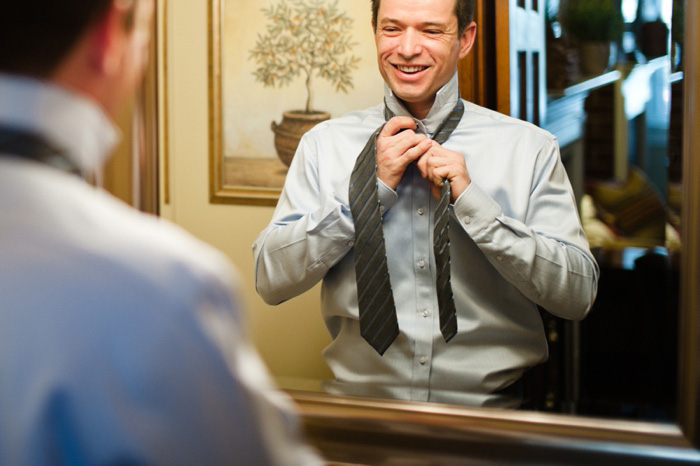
293 126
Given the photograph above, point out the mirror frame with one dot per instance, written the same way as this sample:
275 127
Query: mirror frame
357 430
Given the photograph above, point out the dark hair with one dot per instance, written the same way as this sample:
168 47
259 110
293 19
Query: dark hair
36 35
464 11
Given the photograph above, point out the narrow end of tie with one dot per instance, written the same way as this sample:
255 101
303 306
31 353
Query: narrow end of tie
449 334
382 342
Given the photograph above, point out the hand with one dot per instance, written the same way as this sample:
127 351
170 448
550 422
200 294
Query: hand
438 164
397 147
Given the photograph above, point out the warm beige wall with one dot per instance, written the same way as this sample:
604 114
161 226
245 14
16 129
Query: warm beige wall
290 336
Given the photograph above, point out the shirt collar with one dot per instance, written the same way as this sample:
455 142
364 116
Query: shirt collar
445 100
71 122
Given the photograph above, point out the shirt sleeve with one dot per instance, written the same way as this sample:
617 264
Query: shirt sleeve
257 412
546 255
205 396
311 230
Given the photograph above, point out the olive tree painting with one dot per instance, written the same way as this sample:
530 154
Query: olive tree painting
309 39
298 62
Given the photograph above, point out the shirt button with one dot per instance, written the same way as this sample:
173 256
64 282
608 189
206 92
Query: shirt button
423 361
421 263
351 243
421 211
499 258
467 219
425 313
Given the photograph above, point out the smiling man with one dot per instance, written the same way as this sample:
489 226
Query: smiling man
436 226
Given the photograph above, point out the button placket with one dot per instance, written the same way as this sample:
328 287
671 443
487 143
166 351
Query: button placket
425 288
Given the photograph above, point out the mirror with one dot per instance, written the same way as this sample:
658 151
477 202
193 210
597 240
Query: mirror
338 421
570 372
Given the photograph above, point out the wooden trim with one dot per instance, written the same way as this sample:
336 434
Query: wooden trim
147 141
371 431
480 73
471 69
214 99
163 100
689 396
502 55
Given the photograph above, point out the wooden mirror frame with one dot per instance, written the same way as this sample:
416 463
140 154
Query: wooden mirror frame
370 431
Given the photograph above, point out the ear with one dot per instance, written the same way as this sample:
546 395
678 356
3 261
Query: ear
108 39
466 40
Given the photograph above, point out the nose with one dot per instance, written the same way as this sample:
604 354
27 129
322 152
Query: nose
409 44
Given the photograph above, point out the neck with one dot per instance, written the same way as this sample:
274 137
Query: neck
419 110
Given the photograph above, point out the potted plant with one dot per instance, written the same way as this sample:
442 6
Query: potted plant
308 39
595 25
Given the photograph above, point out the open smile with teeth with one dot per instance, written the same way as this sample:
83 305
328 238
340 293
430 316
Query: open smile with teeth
410 69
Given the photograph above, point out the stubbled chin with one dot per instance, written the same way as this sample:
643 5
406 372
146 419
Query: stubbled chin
408 93
409 81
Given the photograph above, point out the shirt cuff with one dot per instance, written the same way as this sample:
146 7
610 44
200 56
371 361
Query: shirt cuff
387 196
475 210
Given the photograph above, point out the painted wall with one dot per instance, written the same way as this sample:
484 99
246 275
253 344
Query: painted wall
290 337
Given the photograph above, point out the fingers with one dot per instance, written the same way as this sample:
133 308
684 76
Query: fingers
402 142
397 124
417 151
398 140
402 148
439 164
426 164
397 146
438 175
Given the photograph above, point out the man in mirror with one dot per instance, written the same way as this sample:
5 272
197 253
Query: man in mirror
121 339
436 226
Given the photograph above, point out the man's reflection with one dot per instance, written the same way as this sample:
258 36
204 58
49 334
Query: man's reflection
515 237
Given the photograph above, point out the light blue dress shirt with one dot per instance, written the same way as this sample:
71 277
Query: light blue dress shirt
516 242
121 339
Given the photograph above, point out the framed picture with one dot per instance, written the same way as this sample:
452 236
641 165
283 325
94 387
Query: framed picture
277 68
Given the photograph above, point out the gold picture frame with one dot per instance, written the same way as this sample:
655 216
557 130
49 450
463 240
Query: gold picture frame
246 161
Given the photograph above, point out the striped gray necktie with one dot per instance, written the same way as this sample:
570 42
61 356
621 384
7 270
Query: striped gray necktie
378 321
